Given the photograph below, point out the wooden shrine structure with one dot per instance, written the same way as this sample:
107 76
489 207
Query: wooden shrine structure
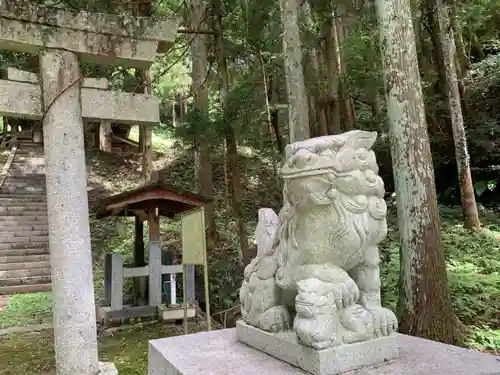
147 203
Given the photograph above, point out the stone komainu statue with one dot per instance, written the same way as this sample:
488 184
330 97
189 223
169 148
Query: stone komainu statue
317 266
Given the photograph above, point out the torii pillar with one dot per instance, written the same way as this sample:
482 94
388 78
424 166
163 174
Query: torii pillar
62 38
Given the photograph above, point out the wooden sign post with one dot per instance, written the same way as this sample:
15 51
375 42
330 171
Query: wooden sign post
194 252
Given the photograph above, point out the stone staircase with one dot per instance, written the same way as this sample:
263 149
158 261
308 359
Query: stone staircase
24 253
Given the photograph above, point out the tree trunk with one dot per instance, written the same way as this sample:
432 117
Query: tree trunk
232 147
347 105
469 207
438 48
463 62
144 9
314 83
202 153
426 309
333 74
274 101
298 111
268 96
376 105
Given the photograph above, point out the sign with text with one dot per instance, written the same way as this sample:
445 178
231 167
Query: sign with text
193 238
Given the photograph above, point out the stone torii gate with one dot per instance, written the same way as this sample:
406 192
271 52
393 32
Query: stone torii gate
63 39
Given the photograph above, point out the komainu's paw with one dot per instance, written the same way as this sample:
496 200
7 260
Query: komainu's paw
384 321
346 293
275 319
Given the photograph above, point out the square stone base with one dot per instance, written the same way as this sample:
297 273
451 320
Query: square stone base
220 353
107 368
331 361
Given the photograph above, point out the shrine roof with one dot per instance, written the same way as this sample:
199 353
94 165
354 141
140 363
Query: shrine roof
169 200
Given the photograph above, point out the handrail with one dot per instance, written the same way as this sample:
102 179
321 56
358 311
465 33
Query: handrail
6 167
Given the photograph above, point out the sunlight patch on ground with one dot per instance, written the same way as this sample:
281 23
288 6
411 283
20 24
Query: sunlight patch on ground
161 142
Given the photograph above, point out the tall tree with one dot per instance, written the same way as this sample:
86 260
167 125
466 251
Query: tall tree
298 104
425 309
202 151
469 207
145 9
230 136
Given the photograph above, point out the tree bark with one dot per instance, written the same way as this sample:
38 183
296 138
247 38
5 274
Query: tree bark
144 9
333 74
274 101
438 48
231 143
426 309
298 111
202 151
469 207
268 96
347 105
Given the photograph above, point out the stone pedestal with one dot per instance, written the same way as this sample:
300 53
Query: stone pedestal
68 216
336 360
219 353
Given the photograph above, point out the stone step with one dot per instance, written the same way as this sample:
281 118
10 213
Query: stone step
8 226
12 209
22 259
12 239
38 245
19 233
24 183
16 274
9 189
25 168
11 266
44 286
26 251
38 219
28 280
29 176
30 197
34 213
22 201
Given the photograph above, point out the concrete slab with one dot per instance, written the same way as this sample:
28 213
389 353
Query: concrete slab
91 47
107 368
336 360
13 74
164 30
219 353
23 99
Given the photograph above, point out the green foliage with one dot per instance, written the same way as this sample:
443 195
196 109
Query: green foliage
473 272
485 338
26 309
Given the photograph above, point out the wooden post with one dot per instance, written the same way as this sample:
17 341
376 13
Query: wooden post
13 133
146 133
37 132
154 259
96 134
105 136
116 281
147 154
3 137
139 261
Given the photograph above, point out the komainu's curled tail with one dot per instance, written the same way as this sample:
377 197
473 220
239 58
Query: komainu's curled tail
260 296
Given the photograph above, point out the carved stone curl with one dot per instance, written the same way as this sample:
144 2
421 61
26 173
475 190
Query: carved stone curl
317 264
